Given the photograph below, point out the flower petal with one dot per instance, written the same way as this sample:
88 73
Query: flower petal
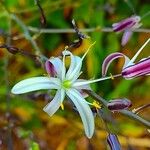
137 53
129 23
50 68
138 69
54 105
84 111
82 87
126 37
107 61
57 63
113 142
75 61
34 84
76 71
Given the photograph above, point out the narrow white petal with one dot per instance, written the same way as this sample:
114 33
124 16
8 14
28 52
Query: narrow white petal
76 72
82 87
57 65
54 105
63 66
75 60
62 95
34 84
126 37
84 111
84 94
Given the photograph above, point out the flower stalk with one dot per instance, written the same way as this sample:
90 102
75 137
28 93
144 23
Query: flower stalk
127 113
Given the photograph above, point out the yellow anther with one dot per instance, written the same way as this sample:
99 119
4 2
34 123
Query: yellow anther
96 105
111 76
62 106
66 47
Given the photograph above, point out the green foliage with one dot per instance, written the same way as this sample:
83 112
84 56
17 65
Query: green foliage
27 113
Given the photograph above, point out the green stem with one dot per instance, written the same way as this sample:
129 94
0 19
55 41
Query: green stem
94 29
135 117
26 32
127 113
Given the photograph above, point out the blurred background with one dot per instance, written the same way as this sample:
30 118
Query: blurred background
23 124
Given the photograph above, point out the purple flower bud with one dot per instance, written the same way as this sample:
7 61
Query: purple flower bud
138 69
127 24
50 68
119 104
113 142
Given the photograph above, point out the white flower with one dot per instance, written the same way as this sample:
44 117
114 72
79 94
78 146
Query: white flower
66 83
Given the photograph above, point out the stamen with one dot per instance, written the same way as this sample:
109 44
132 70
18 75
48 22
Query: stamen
88 50
96 105
111 76
66 47
145 15
74 71
62 106
138 52
130 6
96 80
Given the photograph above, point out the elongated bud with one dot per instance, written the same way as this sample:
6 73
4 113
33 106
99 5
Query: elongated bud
138 69
113 142
129 23
50 69
119 104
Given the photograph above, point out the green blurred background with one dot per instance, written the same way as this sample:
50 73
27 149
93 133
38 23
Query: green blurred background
23 124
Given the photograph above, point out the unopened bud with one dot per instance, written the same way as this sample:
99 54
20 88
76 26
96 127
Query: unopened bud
113 142
138 69
119 104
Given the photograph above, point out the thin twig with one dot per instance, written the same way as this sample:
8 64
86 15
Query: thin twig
42 15
124 112
141 108
96 29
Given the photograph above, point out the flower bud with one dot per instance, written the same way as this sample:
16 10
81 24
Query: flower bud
113 142
119 104
126 24
138 69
